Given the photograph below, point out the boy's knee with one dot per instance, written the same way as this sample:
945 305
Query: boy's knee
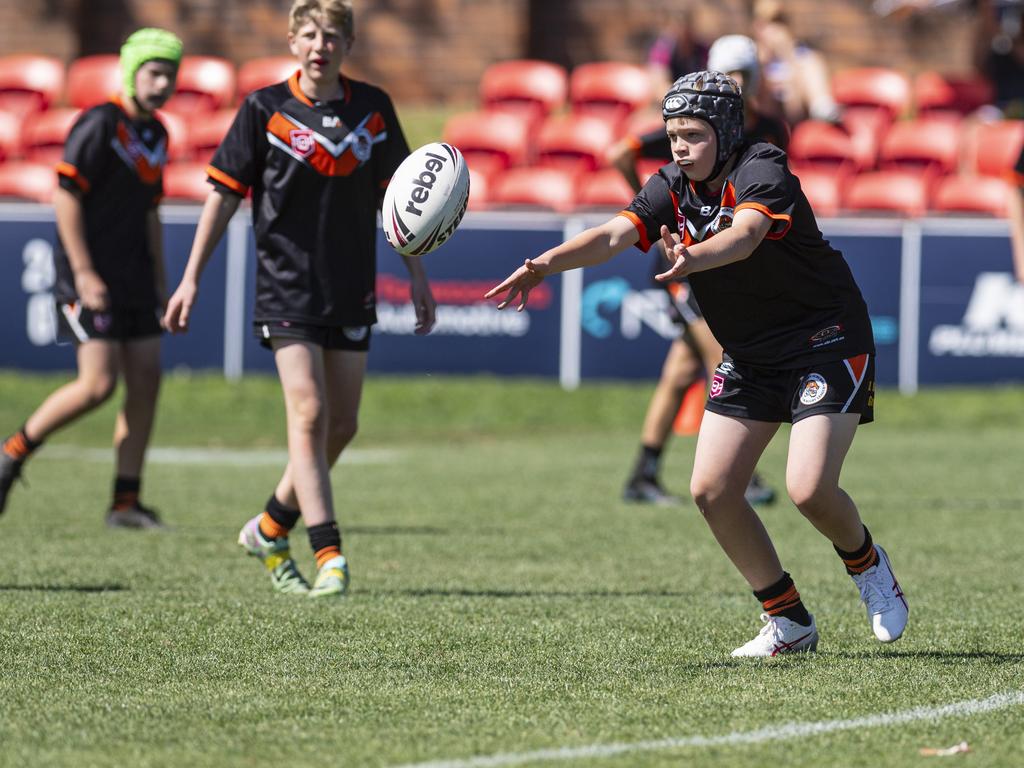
306 410
98 389
809 497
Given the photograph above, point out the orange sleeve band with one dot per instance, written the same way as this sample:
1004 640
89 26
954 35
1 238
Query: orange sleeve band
69 171
780 218
222 178
644 244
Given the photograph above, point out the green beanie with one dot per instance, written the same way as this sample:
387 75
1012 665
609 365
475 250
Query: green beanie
145 45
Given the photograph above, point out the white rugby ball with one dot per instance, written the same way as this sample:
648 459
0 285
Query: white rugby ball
426 199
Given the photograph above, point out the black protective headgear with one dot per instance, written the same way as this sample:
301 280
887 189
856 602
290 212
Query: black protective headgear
714 98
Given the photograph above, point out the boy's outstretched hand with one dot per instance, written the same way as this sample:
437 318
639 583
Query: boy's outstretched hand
179 307
519 283
675 252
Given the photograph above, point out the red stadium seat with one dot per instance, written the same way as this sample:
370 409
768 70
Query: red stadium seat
992 149
941 95
178 145
643 121
525 86
874 87
186 182
42 137
479 191
490 141
605 189
28 181
900 192
93 80
548 188
574 142
30 83
932 145
823 189
259 73
972 194
205 84
204 136
825 146
647 167
10 136
611 90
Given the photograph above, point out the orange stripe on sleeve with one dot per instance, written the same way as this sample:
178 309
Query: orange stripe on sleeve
219 176
644 244
69 171
773 233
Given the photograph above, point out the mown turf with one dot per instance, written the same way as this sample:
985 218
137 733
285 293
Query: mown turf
503 599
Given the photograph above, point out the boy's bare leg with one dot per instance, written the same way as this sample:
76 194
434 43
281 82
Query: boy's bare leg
300 367
817 447
344 373
95 383
140 366
727 452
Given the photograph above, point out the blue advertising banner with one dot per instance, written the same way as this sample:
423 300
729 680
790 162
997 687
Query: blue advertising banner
28 311
972 311
470 336
876 263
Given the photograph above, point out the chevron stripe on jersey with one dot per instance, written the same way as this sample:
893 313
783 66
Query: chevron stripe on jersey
312 148
147 163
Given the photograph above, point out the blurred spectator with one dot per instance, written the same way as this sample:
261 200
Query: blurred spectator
1017 216
999 53
794 72
676 52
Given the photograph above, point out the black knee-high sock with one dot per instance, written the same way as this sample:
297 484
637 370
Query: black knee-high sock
782 599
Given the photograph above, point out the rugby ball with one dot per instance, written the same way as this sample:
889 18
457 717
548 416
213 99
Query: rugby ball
426 199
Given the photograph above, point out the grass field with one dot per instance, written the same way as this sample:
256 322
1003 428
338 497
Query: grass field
503 599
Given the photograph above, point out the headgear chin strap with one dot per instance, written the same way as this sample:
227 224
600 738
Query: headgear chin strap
145 45
714 98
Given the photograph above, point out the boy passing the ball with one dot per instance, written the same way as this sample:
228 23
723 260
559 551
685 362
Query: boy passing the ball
110 270
797 346
316 152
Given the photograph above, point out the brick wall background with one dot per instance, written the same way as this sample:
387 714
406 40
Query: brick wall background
428 50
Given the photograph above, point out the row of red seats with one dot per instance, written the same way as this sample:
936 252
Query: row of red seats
903 193
561 190
31 83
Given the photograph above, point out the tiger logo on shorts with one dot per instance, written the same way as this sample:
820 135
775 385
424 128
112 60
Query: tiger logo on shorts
815 388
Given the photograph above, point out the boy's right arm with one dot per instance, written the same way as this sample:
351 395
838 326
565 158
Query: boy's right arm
71 225
217 212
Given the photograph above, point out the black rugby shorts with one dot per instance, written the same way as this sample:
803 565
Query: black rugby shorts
779 395
76 324
355 338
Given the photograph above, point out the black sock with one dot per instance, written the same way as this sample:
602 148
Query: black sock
126 492
782 599
858 561
19 447
325 540
648 463
284 516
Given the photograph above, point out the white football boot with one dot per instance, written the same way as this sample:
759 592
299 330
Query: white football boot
884 599
780 635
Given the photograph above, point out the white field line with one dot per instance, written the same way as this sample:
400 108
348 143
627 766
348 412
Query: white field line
224 457
783 732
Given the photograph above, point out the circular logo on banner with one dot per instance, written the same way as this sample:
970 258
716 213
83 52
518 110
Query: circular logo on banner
815 388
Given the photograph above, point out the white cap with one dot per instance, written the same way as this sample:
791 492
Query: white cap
736 53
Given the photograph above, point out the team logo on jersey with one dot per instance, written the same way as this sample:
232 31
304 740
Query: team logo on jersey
722 221
717 385
814 390
302 141
355 332
362 144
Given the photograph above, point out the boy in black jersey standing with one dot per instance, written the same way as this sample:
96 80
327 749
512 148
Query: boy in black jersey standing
317 152
110 270
796 337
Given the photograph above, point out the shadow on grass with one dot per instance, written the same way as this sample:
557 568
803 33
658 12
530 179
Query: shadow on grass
80 588
526 593
394 530
932 655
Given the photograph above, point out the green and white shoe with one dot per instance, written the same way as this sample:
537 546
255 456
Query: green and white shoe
331 579
276 558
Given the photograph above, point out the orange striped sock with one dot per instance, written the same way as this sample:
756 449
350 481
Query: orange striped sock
860 559
18 446
783 599
325 554
270 528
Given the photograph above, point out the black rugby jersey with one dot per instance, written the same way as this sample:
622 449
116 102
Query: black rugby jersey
793 301
317 172
116 163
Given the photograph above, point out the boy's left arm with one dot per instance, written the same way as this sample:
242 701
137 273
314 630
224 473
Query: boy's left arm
422 297
154 232
748 229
